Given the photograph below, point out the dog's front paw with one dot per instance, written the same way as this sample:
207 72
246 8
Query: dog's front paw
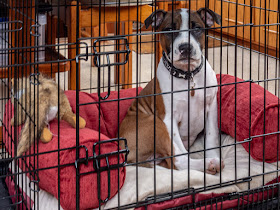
213 165
181 162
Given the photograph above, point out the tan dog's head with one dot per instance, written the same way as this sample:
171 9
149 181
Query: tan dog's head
184 39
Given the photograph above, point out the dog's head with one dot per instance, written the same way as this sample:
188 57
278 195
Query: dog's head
187 41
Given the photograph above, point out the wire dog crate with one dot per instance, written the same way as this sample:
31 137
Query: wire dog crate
87 61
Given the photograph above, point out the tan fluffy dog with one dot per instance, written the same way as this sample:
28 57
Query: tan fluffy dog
36 106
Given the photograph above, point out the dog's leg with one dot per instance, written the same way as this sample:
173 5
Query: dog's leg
146 139
183 161
212 139
67 114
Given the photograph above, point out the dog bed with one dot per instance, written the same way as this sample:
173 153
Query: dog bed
109 127
265 114
180 180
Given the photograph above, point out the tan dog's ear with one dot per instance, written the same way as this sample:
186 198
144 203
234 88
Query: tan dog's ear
208 16
155 19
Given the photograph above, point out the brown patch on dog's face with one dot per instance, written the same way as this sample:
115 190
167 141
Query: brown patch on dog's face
197 23
167 25
184 38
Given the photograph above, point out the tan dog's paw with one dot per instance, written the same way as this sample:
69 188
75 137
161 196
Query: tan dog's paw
213 165
46 135
82 122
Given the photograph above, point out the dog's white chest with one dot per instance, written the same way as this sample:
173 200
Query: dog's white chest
188 111
189 115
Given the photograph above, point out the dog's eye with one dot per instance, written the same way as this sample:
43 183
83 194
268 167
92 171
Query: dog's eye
167 29
195 26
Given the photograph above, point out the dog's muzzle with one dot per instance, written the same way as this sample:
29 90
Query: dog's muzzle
186 50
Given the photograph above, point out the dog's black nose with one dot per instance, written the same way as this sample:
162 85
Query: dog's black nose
186 49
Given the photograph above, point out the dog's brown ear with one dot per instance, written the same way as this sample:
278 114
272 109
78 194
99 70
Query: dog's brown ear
208 16
155 19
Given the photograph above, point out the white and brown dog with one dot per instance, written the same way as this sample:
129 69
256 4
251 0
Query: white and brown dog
165 116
